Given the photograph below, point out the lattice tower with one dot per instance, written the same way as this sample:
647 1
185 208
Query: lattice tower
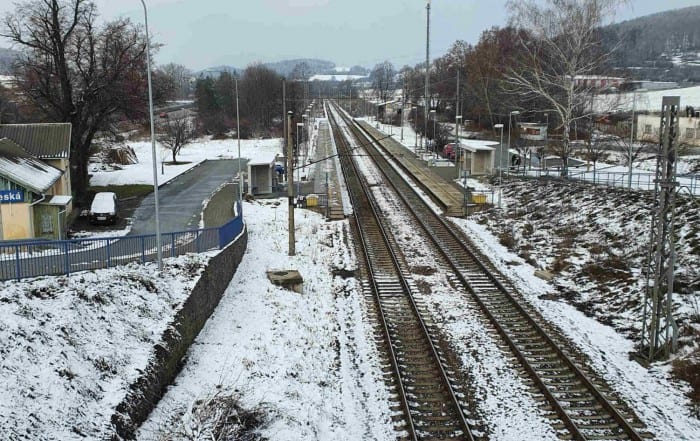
659 330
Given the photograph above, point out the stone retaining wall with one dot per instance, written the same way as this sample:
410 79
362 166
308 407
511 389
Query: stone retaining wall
166 362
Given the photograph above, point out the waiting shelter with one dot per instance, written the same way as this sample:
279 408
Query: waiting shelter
261 174
476 156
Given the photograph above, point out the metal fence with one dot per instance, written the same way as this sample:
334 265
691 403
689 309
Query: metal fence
642 181
19 260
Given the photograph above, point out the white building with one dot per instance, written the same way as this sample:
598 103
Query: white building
648 127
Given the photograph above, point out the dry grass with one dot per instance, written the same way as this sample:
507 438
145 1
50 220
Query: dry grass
507 240
688 369
220 418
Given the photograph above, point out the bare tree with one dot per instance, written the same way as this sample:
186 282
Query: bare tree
260 90
563 46
177 133
74 71
383 79
181 77
301 72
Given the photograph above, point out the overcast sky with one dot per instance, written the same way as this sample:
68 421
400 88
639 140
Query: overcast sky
204 33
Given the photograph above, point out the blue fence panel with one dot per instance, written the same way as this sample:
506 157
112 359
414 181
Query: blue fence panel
21 259
232 229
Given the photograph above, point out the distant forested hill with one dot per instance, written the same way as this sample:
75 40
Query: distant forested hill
304 66
665 45
285 67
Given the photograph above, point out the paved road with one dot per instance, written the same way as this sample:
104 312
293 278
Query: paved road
181 199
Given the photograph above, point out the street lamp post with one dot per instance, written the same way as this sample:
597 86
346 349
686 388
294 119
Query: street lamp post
305 141
458 146
153 141
238 135
290 185
500 161
415 125
434 114
300 128
403 104
514 112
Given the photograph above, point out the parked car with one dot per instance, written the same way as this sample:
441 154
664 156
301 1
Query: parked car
449 152
104 208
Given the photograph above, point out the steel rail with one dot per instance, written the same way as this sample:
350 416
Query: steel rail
423 220
366 193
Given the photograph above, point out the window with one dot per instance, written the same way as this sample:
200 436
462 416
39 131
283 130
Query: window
647 129
689 133
6 184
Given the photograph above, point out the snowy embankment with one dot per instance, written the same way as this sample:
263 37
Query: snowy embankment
72 345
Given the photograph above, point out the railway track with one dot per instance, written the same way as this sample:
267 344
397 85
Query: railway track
430 398
582 406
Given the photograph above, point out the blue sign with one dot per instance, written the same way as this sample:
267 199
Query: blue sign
11 196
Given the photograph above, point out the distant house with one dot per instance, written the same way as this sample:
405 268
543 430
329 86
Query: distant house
35 189
648 126
647 85
598 82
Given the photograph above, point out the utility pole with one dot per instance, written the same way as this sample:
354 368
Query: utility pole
659 330
458 145
290 184
427 71
284 108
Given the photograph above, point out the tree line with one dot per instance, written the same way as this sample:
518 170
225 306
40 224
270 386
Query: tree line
260 95
73 68
528 68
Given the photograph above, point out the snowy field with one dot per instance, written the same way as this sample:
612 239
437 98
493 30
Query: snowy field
649 101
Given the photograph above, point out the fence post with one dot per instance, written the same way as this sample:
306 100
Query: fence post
172 245
109 253
66 259
143 249
18 266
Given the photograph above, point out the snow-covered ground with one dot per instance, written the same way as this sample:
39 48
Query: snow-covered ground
306 361
601 318
647 101
192 154
71 345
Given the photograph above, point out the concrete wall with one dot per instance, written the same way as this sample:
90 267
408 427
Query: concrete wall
167 356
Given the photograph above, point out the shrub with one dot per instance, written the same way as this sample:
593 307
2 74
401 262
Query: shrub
506 239
689 370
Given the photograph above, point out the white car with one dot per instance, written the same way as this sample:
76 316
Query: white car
104 208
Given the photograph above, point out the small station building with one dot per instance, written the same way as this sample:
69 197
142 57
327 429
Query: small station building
35 190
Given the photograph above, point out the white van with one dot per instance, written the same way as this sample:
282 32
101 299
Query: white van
104 208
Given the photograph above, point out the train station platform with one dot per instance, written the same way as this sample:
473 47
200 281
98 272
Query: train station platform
326 172
444 192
